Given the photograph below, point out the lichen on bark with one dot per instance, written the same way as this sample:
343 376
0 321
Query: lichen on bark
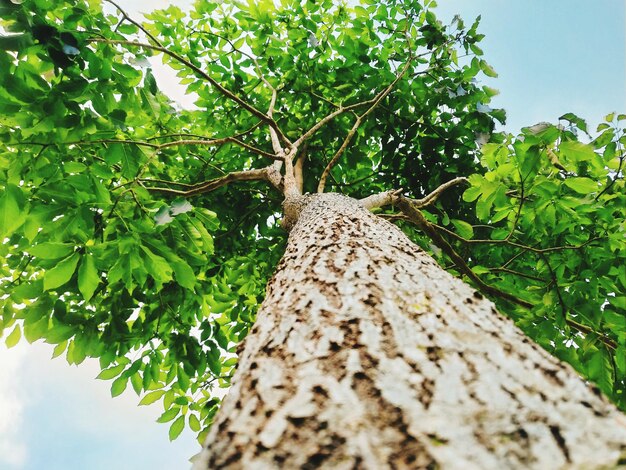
366 354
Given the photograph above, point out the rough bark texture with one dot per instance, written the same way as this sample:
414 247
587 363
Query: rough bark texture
366 354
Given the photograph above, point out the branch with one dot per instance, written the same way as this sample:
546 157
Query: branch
608 342
278 149
341 110
290 183
175 143
325 120
220 142
260 174
359 119
433 196
418 219
515 244
389 197
298 169
517 273
274 137
224 91
381 199
189 135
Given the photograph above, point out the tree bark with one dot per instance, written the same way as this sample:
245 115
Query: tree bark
366 354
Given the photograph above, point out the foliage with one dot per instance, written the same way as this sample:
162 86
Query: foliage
143 234
551 229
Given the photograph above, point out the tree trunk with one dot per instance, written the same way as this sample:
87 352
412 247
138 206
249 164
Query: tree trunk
366 354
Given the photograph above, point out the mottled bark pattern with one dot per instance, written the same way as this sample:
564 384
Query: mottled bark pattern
366 354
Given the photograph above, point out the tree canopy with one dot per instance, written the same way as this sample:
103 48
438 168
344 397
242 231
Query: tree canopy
143 234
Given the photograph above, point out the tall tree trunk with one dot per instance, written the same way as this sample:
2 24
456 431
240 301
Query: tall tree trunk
366 354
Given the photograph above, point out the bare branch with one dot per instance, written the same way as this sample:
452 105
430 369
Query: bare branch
260 174
224 91
433 196
278 149
290 184
517 273
381 199
219 142
189 135
389 197
298 168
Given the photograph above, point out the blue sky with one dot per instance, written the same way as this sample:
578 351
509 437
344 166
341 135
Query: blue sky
553 57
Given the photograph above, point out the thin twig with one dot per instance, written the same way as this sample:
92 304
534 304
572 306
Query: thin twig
515 244
136 23
517 273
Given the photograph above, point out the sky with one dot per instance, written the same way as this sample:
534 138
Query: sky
553 57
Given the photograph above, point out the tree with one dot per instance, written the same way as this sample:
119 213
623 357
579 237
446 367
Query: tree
144 235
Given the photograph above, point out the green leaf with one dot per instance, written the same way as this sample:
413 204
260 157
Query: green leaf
488 69
11 216
619 301
158 267
59 333
151 397
184 274
471 194
111 372
135 381
577 151
59 349
571 117
582 185
177 427
74 167
194 423
118 386
600 370
14 337
88 277
464 229
620 359
51 250
169 415
28 290
183 379
61 273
